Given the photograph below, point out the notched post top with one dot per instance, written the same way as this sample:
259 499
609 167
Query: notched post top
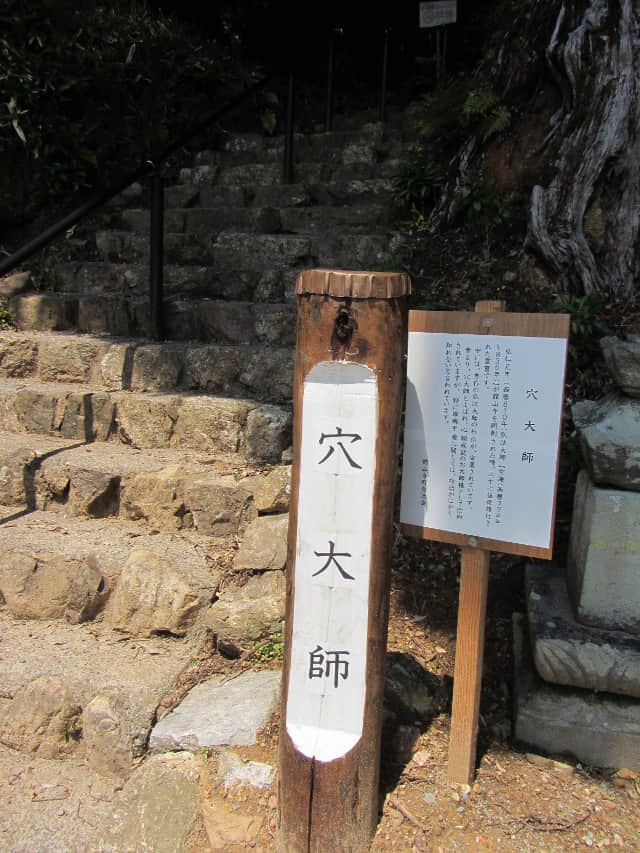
353 284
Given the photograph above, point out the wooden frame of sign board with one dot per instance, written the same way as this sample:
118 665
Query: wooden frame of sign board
528 340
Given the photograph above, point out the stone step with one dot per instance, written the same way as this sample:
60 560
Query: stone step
123 280
259 250
262 174
212 320
203 221
367 145
252 367
169 489
232 251
252 430
268 220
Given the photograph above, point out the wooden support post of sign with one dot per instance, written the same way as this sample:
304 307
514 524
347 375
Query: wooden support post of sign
467 677
348 387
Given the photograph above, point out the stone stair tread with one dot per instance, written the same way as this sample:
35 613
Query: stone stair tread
258 349
121 459
145 419
90 279
91 656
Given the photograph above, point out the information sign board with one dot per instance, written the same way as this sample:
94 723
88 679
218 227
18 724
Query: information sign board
482 428
438 13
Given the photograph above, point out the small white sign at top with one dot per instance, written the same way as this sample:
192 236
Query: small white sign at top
438 13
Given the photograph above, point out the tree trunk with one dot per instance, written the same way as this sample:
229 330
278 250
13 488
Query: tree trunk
584 224
584 221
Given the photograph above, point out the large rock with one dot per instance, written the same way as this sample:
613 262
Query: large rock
251 613
153 597
43 718
178 497
609 433
158 497
82 491
600 730
623 360
219 712
116 728
567 652
604 556
16 477
49 586
18 355
264 545
63 359
210 424
268 433
273 492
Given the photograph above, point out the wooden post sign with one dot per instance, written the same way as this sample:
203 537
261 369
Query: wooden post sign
482 433
351 336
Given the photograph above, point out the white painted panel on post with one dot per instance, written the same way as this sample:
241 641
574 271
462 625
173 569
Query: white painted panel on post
325 704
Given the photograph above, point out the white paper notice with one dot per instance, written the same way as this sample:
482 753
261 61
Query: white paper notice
482 426
325 704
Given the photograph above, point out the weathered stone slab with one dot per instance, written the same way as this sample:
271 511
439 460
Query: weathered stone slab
623 360
69 359
49 586
43 718
600 730
268 373
264 545
153 597
211 368
115 728
273 492
45 311
219 712
146 420
569 653
218 505
210 424
157 808
251 613
268 433
604 556
609 433
16 477
156 367
18 354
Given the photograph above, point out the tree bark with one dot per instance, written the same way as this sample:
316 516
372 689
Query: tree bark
584 212
584 224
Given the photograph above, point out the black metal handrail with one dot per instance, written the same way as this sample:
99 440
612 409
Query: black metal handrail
148 167
152 168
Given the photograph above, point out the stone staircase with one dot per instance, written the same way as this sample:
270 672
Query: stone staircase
144 485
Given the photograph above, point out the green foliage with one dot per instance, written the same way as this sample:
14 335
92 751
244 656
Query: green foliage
90 90
270 650
417 182
5 319
586 325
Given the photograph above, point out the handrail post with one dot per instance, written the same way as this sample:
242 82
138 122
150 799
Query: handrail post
328 120
385 71
156 258
288 138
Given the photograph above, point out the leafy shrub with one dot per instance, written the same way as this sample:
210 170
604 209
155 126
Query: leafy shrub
417 182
